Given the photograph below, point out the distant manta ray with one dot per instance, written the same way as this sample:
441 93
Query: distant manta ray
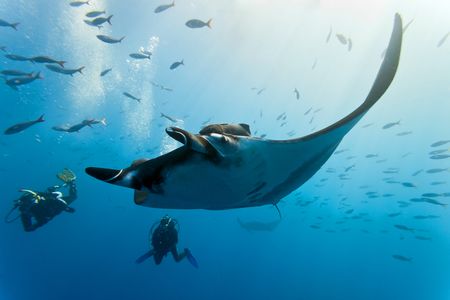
223 167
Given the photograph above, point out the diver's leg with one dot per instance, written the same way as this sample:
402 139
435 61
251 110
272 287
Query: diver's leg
157 257
147 255
178 257
27 222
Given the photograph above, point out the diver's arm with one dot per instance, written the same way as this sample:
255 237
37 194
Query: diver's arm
72 193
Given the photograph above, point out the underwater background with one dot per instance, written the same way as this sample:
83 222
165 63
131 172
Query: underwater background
339 237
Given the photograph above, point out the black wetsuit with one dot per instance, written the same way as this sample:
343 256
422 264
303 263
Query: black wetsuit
45 209
164 240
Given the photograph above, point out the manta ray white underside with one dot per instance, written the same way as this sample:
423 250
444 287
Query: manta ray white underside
224 171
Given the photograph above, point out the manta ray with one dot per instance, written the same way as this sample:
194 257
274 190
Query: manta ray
224 167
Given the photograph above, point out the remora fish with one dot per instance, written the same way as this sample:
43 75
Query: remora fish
163 7
194 23
240 170
15 73
3 23
259 226
108 39
60 70
22 126
17 57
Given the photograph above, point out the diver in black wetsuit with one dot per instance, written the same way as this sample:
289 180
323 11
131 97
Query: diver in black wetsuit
37 208
164 240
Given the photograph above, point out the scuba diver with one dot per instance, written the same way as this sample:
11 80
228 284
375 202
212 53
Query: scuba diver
37 208
164 239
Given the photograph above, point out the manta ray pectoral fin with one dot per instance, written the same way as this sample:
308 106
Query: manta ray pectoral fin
108 175
382 82
192 141
123 177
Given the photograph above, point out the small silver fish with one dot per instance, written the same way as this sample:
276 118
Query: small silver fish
169 118
329 35
195 23
104 72
350 44
404 133
22 126
402 258
139 56
163 7
403 227
131 97
308 111
93 14
176 64
341 38
47 60
60 70
440 156
78 3
100 20
442 41
297 94
15 82
436 144
4 23
436 170
435 202
392 124
417 172
108 39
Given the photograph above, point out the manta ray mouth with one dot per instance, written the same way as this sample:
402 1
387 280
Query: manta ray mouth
103 174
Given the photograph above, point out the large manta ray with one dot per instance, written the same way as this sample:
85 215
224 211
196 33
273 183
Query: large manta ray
223 167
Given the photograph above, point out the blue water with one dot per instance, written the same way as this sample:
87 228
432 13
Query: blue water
252 44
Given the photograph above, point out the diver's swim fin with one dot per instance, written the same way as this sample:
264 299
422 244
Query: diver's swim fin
191 258
144 257
66 175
